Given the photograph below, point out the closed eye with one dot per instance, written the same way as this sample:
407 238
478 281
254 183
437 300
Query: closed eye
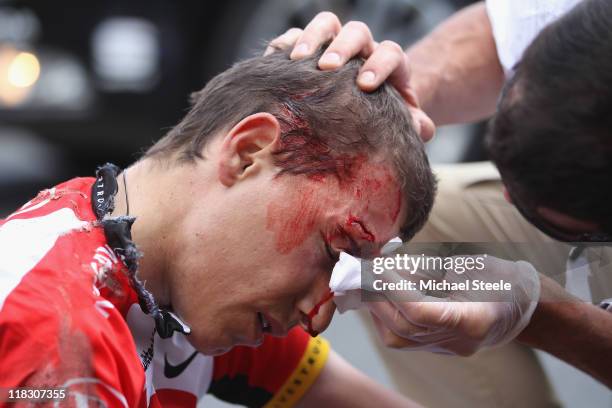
334 256
354 247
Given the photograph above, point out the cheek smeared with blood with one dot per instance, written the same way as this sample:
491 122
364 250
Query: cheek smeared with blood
294 219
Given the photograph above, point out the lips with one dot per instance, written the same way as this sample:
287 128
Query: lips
269 325
266 326
252 335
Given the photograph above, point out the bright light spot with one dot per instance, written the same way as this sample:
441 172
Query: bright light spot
126 54
24 70
11 95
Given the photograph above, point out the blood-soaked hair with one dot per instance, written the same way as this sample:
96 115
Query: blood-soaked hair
326 122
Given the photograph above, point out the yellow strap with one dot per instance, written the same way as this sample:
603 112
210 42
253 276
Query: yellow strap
304 375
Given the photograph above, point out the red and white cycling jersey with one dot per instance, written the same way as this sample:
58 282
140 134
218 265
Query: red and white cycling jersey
69 318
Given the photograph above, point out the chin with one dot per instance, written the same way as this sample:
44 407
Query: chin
206 344
217 351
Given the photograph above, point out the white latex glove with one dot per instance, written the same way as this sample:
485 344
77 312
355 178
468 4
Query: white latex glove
460 323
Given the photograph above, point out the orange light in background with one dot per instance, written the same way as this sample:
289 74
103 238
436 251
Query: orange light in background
19 71
23 70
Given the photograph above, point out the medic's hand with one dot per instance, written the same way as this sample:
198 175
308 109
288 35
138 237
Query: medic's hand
460 323
384 61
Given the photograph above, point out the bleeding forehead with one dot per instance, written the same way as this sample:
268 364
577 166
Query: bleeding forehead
375 190
370 194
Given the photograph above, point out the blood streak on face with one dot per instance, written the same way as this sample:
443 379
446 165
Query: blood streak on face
294 219
363 232
315 311
363 206
369 187
376 185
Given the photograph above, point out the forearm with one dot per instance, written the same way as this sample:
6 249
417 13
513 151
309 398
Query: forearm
341 385
574 331
455 69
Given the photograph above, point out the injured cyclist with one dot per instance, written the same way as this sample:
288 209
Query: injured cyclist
203 266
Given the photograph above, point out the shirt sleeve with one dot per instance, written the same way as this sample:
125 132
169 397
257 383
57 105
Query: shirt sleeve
276 374
516 23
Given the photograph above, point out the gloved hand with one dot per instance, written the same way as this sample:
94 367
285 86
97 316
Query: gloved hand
461 322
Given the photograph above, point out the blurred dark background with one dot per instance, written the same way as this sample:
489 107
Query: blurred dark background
82 83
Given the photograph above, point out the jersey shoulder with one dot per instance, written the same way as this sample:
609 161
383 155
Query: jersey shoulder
55 327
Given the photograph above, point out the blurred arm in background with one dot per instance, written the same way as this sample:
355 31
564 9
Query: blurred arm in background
455 69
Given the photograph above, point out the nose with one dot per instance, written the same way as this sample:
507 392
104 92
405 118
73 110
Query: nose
317 315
